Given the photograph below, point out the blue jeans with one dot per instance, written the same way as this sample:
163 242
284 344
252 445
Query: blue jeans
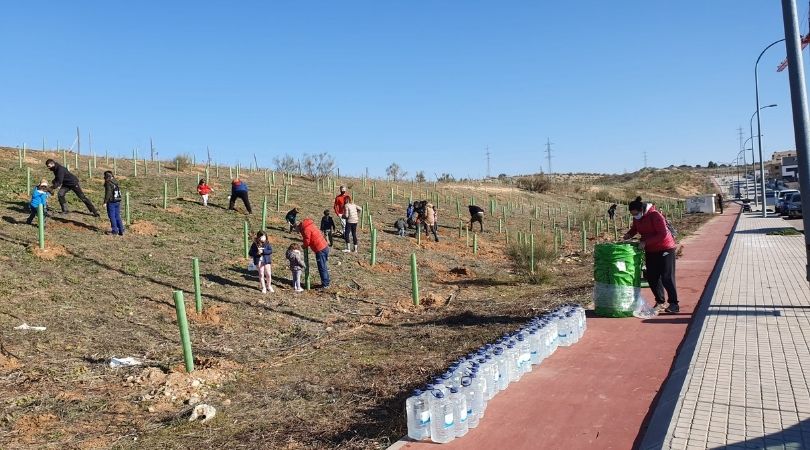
114 212
321 257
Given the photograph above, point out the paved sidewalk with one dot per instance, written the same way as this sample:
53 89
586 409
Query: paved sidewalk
597 393
746 384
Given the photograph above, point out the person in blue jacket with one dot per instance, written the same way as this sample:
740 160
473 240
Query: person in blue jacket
39 196
261 252
239 189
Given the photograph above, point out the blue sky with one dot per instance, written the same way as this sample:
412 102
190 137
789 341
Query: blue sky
426 84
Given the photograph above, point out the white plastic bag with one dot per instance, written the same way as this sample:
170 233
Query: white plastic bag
251 267
26 327
642 310
124 362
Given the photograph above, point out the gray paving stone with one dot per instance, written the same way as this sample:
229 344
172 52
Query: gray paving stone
748 384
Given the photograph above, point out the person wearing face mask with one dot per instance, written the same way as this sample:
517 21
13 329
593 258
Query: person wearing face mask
261 252
659 249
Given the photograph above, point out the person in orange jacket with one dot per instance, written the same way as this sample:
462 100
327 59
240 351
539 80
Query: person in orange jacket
313 238
340 207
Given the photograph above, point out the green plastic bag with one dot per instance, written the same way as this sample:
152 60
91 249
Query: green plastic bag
617 275
617 264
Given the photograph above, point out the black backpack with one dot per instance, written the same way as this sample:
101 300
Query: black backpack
116 196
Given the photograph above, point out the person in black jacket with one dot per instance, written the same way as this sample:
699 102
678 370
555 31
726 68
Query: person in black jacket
290 218
112 201
612 211
476 215
65 181
327 226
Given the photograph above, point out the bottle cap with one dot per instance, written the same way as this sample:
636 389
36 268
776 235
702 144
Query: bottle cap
454 390
438 394
417 392
466 381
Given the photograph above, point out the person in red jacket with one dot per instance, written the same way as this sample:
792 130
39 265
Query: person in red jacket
313 238
340 207
204 190
659 248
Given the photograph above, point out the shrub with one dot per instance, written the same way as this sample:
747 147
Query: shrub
182 162
543 255
535 183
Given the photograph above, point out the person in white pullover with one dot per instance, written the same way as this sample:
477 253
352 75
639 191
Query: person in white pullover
352 215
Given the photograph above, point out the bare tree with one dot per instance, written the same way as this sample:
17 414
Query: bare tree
285 163
395 173
420 176
324 164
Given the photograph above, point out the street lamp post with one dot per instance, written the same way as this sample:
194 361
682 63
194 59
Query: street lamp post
798 100
759 131
753 158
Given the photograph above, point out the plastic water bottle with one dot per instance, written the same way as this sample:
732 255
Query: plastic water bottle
482 374
459 402
417 411
492 376
510 355
502 368
468 389
438 383
524 354
442 424
583 323
534 346
480 386
573 325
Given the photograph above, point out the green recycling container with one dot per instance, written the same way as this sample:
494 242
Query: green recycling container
617 279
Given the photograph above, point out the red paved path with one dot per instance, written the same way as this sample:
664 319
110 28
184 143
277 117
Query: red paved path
597 393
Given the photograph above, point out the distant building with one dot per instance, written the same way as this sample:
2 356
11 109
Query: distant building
782 165
790 167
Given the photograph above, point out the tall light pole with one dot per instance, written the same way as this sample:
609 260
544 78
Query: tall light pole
745 164
798 100
753 158
759 131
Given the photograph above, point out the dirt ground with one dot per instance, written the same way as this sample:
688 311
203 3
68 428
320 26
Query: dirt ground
319 369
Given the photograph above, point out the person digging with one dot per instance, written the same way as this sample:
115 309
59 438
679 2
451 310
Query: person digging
65 181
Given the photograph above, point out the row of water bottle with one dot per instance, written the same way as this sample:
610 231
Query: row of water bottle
456 401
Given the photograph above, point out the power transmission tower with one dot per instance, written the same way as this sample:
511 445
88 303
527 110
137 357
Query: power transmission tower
645 160
548 154
488 172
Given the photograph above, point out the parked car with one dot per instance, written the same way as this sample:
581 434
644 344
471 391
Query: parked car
786 202
794 206
781 196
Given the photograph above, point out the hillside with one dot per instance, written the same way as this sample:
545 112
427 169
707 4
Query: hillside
320 369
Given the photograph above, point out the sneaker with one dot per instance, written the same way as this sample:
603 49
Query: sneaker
673 308
272 290
264 291
299 290
346 250
659 308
